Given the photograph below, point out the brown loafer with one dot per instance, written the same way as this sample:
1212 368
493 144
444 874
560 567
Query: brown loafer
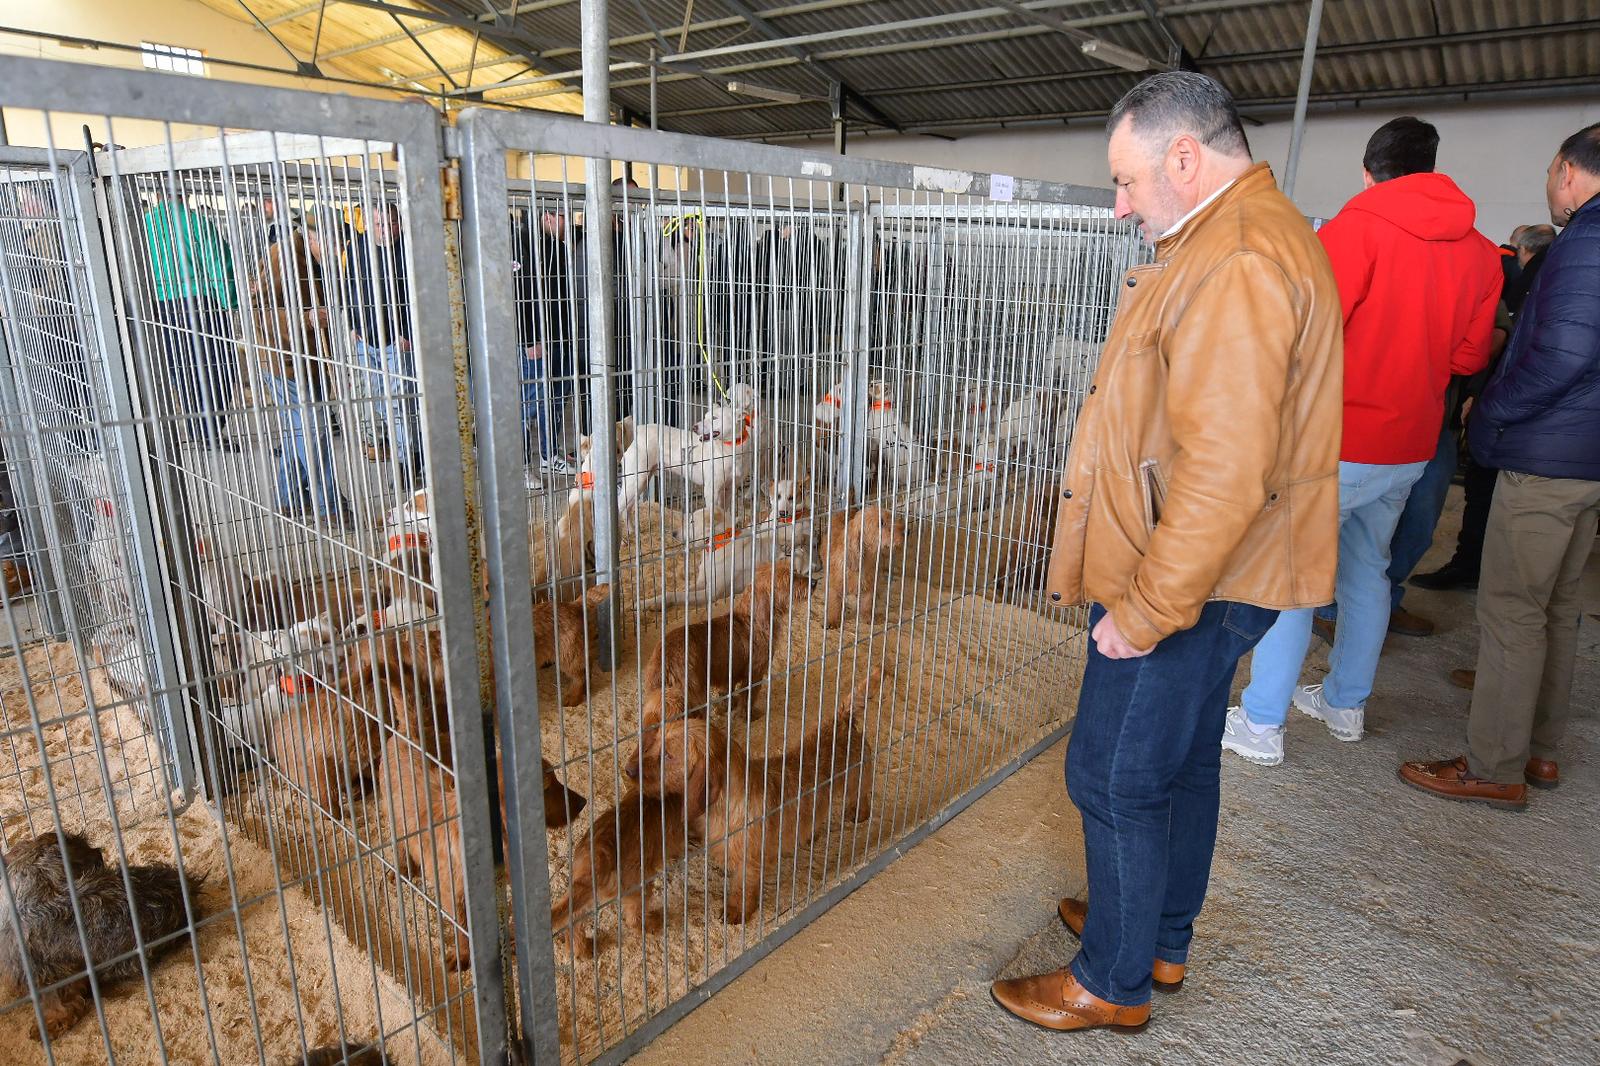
1452 779
1542 773
1057 1001
1324 628
1166 976
1464 679
1406 624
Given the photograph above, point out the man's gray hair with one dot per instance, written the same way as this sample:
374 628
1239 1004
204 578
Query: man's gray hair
1166 106
1535 239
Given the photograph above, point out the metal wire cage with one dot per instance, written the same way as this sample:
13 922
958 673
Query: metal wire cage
789 587
245 514
757 454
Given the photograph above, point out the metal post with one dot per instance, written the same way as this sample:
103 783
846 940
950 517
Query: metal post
655 78
504 509
852 473
152 583
838 133
1302 97
601 313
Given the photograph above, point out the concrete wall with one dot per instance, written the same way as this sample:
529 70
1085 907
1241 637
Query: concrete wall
1497 153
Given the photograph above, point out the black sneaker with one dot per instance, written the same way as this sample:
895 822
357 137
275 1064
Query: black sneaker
1447 578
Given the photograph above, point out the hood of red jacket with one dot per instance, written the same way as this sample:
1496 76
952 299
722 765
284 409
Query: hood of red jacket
1427 206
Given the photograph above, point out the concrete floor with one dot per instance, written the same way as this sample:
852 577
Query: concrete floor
1350 920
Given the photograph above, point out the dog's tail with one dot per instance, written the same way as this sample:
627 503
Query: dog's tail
594 596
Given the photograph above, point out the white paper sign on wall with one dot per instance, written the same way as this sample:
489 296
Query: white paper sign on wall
1002 187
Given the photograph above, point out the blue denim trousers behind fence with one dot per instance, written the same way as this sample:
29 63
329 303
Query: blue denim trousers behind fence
392 390
305 461
545 385
1143 769
1413 534
1371 498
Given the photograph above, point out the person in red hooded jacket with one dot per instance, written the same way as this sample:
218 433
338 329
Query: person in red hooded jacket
1418 286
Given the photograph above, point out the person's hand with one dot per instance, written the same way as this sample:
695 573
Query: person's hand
355 336
1112 644
405 345
1466 408
534 350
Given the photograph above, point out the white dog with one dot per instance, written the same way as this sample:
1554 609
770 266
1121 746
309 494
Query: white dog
1029 424
715 456
731 556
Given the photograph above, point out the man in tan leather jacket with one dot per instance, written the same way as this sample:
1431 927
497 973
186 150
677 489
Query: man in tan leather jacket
1200 498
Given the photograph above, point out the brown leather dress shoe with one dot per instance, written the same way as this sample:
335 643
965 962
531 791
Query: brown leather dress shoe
1452 779
1324 628
1057 1001
1166 976
1542 773
1406 624
1464 679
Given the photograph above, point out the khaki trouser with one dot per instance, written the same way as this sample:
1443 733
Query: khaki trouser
1538 541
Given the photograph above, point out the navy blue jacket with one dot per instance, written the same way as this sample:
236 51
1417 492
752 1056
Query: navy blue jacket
1540 412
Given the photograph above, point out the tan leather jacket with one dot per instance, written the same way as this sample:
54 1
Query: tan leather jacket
1206 459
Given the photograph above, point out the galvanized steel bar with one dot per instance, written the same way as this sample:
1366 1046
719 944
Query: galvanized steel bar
601 315
1302 97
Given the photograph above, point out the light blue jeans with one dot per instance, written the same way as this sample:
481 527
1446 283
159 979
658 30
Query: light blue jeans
1370 501
305 465
389 372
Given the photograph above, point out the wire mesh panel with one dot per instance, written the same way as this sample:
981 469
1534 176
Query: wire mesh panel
273 297
788 588
71 522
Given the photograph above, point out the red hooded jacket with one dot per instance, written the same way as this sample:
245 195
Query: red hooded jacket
1419 287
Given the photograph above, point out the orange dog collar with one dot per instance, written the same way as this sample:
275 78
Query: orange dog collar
407 540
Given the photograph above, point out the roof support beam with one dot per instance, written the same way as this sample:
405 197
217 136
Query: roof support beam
836 83
306 69
1302 97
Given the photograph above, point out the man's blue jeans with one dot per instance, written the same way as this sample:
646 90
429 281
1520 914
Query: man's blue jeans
305 465
1413 535
544 403
1370 501
391 385
1143 769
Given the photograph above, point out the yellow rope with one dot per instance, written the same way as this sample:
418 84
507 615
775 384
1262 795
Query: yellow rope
673 226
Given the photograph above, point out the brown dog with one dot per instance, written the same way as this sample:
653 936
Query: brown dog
1028 555
562 634
620 856
858 550
328 743
723 653
418 794
755 812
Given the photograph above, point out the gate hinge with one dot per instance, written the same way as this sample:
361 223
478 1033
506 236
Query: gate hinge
450 186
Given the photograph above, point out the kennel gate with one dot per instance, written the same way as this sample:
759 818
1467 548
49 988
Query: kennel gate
73 455
313 926
916 278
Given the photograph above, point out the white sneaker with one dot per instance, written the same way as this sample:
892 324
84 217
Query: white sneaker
1343 722
531 479
1263 749
557 464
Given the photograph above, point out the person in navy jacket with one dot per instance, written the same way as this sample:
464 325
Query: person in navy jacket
1538 423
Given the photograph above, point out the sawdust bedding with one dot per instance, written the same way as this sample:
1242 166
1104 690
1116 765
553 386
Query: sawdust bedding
968 683
269 976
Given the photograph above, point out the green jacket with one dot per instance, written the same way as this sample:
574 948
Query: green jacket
188 256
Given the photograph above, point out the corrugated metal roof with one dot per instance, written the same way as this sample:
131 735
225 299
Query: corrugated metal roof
923 64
